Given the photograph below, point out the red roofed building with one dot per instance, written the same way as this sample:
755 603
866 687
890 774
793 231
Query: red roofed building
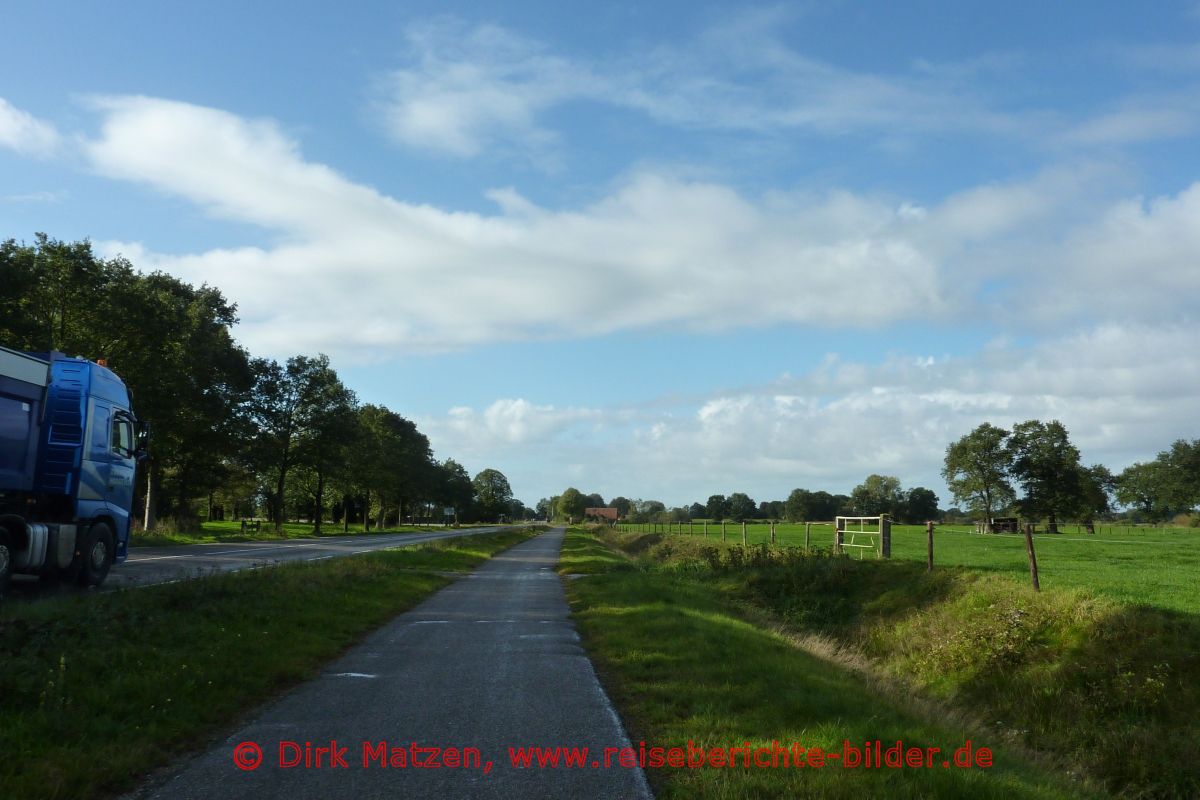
609 514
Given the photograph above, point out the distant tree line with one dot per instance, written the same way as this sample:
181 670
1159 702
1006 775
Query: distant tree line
238 434
985 468
1032 471
877 495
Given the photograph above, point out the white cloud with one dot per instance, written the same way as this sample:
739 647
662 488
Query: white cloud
35 197
1132 125
25 133
1140 260
473 89
657 251
1124 392
470 87
513 422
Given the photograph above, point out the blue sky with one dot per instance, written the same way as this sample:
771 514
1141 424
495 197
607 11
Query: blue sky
660 250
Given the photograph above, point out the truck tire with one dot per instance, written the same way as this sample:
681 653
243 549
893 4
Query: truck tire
7 552
96 555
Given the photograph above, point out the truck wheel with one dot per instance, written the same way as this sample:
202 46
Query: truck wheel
96 555
6 559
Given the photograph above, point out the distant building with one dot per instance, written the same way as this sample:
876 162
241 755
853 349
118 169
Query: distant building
609 514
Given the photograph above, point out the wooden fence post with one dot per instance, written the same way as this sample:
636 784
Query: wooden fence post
885 537
705 529
722 530
744 542
772 532
929 536
1032 556
807 535
839 535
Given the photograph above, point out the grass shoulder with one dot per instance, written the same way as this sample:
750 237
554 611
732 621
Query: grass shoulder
99 689
213 532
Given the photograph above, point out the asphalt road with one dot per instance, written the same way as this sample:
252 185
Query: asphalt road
490 662
150 565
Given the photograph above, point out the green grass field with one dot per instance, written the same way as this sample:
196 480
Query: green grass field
1152 566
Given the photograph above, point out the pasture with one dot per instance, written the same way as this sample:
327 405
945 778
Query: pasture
1133 565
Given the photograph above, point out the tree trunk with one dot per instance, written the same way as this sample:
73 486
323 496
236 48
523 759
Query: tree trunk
367 512
346 513
150 518
320 506
279 489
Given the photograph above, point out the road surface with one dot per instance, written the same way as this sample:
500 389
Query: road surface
488 663
150 565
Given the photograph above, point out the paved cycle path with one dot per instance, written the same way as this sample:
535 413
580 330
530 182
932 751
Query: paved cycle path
488 663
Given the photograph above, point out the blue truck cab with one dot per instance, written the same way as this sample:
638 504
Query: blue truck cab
68 455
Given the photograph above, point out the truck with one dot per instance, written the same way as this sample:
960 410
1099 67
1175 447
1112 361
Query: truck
69 449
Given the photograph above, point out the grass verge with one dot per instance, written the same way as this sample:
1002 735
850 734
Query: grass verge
97 690
1109 690
211 532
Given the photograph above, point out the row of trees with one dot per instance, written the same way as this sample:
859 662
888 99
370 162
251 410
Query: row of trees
1167 486
985 468
246 433
878 494
1032 470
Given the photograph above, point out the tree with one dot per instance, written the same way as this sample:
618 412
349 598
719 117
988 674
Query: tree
878 494
647 510
454 487
571 504
594 501
976 470
741 507
622 505
324 447
695 511
826 506
492 493
771 509
1047 466
717 507
1096 485
796 507
1181 475
289 405
1170 484
1143 486
518 511
920 505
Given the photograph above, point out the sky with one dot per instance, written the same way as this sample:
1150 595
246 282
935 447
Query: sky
659 250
